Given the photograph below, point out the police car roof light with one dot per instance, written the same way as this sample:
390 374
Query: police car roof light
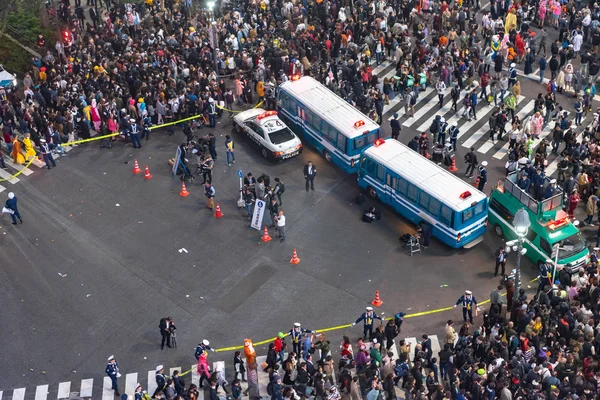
295 77
558 223
379 142
465 195
358 124
266 114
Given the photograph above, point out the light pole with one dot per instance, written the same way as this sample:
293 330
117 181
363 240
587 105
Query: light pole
521 224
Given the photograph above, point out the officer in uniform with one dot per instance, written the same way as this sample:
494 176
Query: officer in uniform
47 153
296 335
453 136
201 348
161 380
396 127
368 317
524 182
482 175
544 275
134 131
512 75
442 132
147 123
212 112
550 189
112 370
594 257
139 393
270 96
538 184
468 303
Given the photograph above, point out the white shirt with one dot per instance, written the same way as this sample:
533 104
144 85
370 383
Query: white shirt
281 220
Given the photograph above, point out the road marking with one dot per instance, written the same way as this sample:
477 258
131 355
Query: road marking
131 381
107 392
422 96
7 177
381 67
488 145
64 389
263 379
425 109
86 387
442 111
19 394
26 171
152 382
195 375
41 392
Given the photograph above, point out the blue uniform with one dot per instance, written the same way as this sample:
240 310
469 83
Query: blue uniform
47 155
201 349
453 136
524 184
538 185
442 133
468 302
11 204
296 335
368 318
482 177
549 192
112 369
161 383
545 273
134 131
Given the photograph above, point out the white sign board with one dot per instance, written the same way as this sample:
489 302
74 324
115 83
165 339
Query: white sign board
257 216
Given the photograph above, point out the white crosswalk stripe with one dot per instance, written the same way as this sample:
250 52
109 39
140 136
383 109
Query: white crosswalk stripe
422 96
500 154
26 171
551 168
426 108
442 111
105 392
381 67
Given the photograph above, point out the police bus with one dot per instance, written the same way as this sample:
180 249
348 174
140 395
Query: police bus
551 229
327 122
424 192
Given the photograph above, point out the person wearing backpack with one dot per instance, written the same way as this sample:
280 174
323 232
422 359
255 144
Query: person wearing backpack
411 100
279 190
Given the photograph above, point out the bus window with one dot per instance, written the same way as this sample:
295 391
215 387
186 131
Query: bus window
402 186
391 181
363 163
424 200
285 100
446 216
531 235
501 210
359 142
308 116
434 206
467 214
479 208
412 193
533 205
545 246
380 173
328 132
372 137
371 166
341 142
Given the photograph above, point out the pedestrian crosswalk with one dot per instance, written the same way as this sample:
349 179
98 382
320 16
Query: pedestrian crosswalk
7 178
101 387
473 132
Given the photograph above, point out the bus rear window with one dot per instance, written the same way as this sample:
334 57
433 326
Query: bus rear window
359 142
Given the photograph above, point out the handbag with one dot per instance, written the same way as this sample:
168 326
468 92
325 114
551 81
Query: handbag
264 365
7 211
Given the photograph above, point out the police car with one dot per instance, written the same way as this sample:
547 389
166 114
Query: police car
7 80
275 139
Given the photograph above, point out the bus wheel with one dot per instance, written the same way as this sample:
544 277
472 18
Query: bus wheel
372 192
327 155
498 230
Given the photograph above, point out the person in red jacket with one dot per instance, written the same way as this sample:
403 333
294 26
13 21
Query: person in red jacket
280 346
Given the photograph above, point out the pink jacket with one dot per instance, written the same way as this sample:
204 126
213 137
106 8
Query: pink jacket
203 368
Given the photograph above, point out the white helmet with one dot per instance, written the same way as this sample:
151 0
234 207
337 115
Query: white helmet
205 342
11 195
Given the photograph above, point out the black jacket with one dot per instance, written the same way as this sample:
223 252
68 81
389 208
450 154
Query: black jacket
313 172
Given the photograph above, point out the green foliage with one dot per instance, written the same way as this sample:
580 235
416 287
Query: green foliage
14 58
27 23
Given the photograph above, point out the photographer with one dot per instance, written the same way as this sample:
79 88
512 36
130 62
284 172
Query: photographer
206 166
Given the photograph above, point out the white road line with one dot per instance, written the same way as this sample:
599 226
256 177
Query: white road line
422 96
442 111
26 171
64 389
2 189
86 388
486 129
195 375
507 127
425 109
435 346
7 177
131 381
551 169
41 392
263 378
18 394
152 382
107 392
483 112
393 103
381 67
1 394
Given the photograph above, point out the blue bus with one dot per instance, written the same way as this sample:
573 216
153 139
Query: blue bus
331 125
424 193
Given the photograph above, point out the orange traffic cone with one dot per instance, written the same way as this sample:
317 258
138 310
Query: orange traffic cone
184 192
295 259
476 183
265 237
136 167
218 213
453 167
147 175
377 301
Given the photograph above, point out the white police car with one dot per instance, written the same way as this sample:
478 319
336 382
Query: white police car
7 80
274 138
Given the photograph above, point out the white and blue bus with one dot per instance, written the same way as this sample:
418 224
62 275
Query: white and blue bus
327 122
424 193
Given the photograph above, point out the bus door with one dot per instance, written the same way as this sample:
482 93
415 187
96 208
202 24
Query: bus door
391 182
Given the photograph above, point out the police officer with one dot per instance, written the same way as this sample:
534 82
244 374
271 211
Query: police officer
201 348
594 257
270 96
442 132
454 136
482 175
139 393
134 131
368 317
512 75
550 189
161 380
147 123
296 335
468 303
544 275
47 153
396 126
212 112
524 183
538 184
578 111
112 370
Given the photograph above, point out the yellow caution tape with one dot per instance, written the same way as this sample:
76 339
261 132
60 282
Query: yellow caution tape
20 172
